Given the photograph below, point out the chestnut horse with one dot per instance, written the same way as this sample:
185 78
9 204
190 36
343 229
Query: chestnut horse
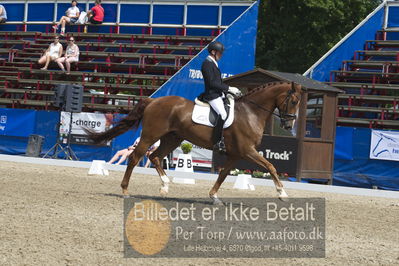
169 119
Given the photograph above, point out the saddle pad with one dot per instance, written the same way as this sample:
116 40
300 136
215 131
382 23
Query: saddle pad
202 112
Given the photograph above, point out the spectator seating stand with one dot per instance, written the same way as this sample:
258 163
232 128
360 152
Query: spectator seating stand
116 70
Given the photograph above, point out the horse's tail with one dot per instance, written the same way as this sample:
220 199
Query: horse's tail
132 120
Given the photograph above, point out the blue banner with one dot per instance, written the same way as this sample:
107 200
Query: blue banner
17 122
239 56
361 171
343 143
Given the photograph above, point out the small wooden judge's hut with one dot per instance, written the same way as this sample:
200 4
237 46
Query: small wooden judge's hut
308 150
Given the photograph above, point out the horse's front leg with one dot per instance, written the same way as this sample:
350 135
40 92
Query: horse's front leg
222 176
255 157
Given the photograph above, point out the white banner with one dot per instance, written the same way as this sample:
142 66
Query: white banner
93 121
384 145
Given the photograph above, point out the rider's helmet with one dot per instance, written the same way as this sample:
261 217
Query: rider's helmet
217 46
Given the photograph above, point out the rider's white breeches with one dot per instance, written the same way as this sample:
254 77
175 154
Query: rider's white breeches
218 105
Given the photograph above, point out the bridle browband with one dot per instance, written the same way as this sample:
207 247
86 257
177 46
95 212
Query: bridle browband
284 117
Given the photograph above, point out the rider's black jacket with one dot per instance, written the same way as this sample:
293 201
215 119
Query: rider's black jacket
214 86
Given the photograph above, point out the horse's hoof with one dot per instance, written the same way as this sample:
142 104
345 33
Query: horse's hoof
217 201
163 191
282 195
284 199
125 193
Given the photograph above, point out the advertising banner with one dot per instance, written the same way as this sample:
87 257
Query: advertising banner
92 121
282 152
384 145
17 122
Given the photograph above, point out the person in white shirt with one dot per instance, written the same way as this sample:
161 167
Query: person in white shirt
72 15
53 52
3 14
71 56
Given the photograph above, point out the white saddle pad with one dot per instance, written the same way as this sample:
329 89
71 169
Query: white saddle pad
202 110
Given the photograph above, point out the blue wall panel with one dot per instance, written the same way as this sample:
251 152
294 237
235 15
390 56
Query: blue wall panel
40 12
17 122
230 13
202 15
164 31
15 12
135 13
131 30
200 32
109 12
46 126
168 14
393 16
39 28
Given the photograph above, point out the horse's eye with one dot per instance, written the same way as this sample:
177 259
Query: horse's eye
294 102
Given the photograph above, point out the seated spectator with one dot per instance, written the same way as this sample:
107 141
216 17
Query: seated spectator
72 15
123 154
53 52
3 14
71 56
96 13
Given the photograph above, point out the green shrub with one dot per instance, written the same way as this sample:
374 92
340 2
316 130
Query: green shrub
186 148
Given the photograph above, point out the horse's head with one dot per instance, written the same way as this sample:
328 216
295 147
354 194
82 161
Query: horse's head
288 104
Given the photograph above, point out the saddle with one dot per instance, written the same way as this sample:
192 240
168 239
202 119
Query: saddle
203 113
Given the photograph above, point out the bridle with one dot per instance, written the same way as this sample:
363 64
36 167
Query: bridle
284 116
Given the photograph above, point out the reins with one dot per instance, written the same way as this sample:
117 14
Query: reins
283 117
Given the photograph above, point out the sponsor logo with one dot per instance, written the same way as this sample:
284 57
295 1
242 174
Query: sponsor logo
197 74
3 119
384 146
282 156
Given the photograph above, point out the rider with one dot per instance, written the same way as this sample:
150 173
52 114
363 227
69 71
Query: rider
215 91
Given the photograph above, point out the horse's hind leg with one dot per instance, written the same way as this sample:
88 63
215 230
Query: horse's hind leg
255 157
169 142
222 176
133 160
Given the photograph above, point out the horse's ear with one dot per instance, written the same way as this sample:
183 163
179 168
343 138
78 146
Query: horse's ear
295 87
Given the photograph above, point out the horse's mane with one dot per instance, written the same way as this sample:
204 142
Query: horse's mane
264 86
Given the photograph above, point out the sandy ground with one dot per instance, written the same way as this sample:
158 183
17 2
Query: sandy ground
54 215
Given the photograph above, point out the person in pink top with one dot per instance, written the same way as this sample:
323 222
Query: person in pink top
96 13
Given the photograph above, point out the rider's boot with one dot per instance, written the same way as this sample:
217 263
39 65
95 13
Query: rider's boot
217 138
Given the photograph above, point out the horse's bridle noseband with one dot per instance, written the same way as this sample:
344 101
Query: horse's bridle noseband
284 117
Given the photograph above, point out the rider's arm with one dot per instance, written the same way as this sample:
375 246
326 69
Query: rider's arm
212 77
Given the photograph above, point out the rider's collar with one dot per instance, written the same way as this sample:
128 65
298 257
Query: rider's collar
213 60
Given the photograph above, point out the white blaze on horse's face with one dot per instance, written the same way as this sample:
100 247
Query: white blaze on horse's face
288 109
